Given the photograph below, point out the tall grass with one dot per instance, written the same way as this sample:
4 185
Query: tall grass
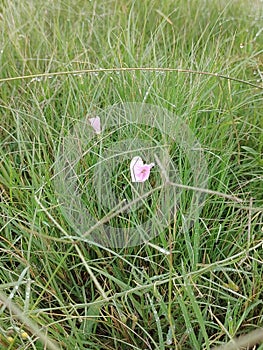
57 290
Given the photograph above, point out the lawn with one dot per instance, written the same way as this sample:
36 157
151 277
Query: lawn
90 259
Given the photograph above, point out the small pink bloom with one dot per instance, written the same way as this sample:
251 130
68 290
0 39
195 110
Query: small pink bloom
139 172
95 123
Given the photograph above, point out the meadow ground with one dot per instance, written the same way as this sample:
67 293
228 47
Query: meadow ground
194 288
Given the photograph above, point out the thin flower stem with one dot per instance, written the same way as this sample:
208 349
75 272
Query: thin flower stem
204 190
129 69
193 188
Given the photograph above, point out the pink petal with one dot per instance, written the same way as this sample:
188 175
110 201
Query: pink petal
95 123
140 172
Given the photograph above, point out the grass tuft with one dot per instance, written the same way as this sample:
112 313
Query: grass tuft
62 61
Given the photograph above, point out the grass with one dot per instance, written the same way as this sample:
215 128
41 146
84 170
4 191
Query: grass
60 291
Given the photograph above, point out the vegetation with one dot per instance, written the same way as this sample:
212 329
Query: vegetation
64 60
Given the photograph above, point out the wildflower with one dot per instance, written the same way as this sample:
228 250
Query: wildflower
95 123
139 172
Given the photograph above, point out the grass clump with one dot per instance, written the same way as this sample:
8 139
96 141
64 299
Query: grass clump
191 290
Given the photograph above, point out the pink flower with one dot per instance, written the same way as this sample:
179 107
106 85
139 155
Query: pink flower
139 172
95 123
